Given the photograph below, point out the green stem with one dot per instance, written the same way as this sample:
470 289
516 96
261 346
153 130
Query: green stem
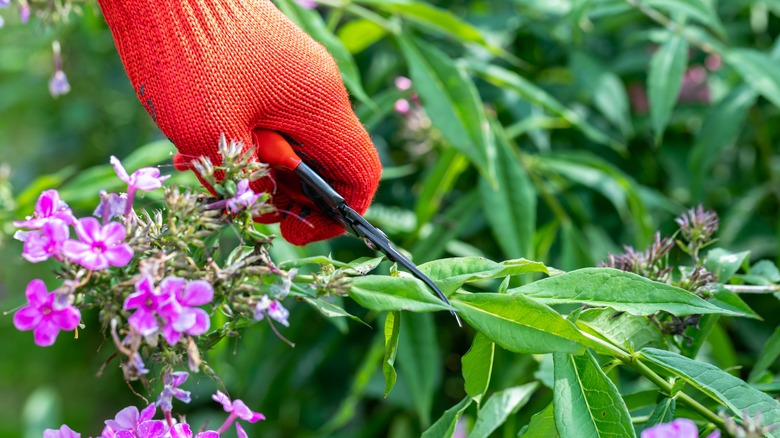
672 26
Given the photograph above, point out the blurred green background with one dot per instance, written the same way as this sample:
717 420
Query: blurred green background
567 103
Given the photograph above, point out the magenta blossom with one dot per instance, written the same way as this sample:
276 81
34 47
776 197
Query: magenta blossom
49 206
147 301
679 428
47 242
45 315
171 389
99 246
146 179
272 308
128 419
237 409
244 198
182 430
63 432
308 4
180 312
402 83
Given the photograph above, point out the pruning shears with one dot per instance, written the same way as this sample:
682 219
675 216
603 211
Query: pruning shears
275 150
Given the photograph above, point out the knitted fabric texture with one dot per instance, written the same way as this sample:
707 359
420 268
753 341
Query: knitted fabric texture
203 68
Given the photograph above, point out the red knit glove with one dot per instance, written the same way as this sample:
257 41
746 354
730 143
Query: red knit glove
202 68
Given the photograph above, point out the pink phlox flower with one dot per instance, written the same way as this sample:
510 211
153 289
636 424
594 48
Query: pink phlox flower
24 12
147 302
147 429
182 430
46 242
236 409
111 205
49 206
146 178
244 198
679 428
402 83
63 432
171 389
58 84
402 106
130 420
180 313
4 3
45 315
308 4
272 308
99 246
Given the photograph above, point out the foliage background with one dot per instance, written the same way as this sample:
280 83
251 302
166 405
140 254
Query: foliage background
582 167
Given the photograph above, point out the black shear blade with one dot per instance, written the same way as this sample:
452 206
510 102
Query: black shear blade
330 201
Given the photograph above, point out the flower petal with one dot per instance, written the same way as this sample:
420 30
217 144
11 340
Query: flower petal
135 301
243 412
151 429
46 333
181 430
119 255
172 286
223 399
113 233
240 431
176 378
147 178
197 293
127 418
208 434
89 230
187 319
171 336
144 321
36 292
74 249
67 318
27 318
119 169
202 322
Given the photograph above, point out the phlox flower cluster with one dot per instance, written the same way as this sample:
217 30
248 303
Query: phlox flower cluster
132 423
679 428
154 295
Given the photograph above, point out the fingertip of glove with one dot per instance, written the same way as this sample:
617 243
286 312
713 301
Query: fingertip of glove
180 163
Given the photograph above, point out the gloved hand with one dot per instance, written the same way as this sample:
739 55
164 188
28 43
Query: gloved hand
202 68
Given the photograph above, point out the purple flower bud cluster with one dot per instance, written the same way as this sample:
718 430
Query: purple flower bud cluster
132 423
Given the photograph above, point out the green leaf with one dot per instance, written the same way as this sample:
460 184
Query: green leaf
623 291
724 264
665 80
725 299
722 125
357 35
25 201
518 323
450 274
529 91
450 165
699 10
605 89
447 228
622 329
392 330
446 424
758 70
431 17
362 266
419 364
330 310
586 402
604 177
767 357
735 394
477 366
510 205
663 412
542 425
499 407
384 294
311 21
451 101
